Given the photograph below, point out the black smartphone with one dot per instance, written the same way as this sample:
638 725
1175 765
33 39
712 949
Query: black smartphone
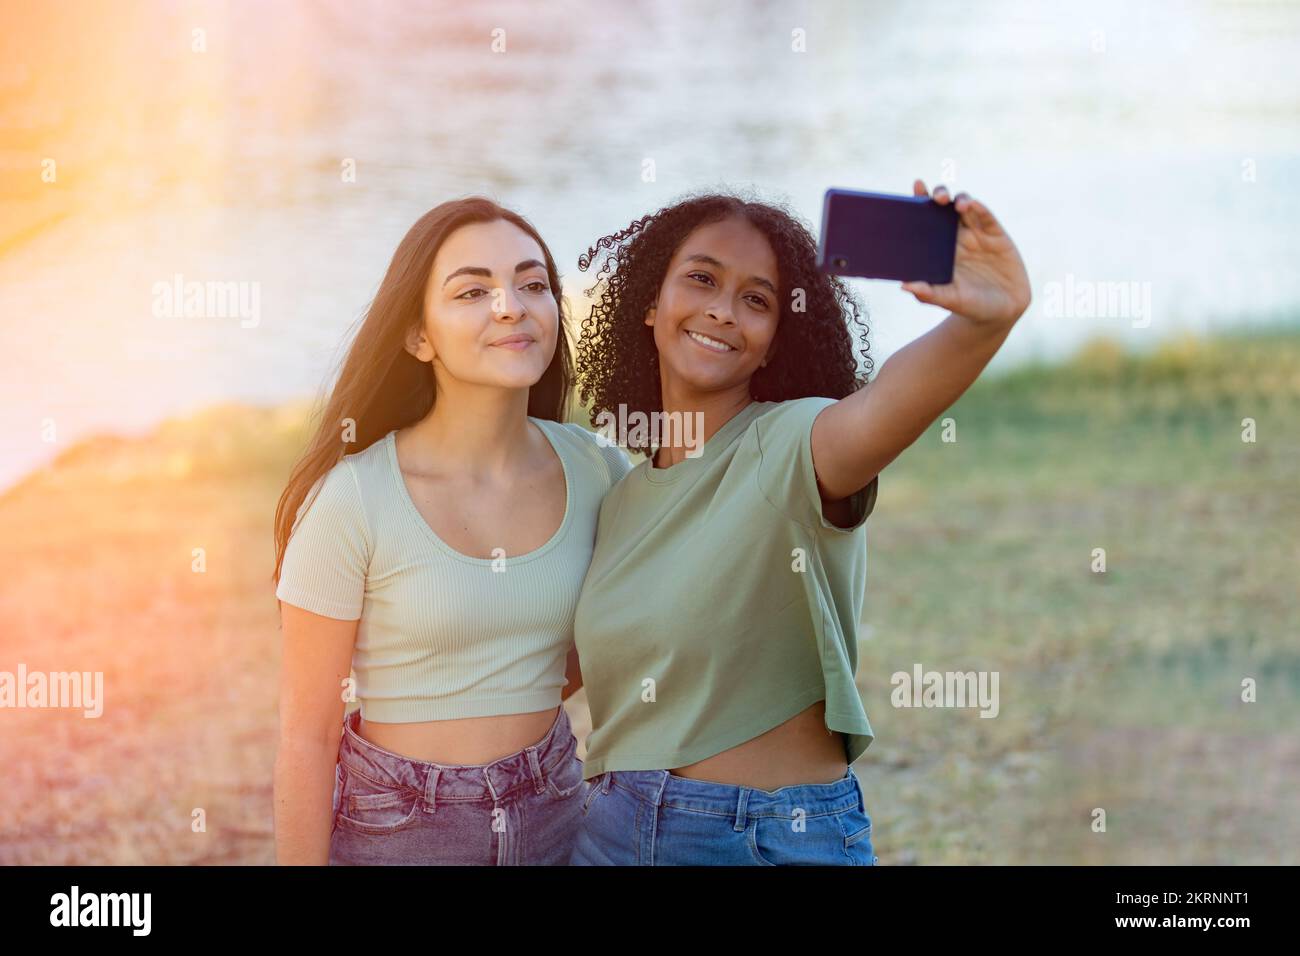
878 236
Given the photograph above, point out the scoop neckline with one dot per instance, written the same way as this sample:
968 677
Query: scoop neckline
718 440
409 504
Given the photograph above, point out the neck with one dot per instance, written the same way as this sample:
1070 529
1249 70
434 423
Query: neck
471 430
718 408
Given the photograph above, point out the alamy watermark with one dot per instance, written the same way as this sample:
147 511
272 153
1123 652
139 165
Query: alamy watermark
1087 299
75 908
179 299
78 689
656 429
923 688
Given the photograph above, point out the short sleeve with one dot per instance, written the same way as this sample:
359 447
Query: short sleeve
786 474
325 563
614 460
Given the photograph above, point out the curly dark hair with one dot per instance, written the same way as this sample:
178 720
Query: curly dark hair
617 361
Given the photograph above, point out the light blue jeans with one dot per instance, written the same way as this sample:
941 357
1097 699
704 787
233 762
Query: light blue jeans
520 809
653 818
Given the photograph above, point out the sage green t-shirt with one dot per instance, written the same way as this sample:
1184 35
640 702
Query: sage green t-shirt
720 602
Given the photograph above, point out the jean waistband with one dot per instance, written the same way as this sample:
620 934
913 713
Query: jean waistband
495 780
662 788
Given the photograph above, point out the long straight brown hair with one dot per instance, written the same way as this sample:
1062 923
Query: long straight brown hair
381 386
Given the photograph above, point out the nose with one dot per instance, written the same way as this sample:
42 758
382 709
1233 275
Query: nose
507 306
719 310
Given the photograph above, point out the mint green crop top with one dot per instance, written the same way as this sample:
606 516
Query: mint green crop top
443 635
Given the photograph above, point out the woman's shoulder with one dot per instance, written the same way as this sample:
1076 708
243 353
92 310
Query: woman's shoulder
367 464
356 478
794 407
609 462
792 417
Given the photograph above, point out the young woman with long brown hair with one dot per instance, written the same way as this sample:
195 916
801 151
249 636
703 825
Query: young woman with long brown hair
433 539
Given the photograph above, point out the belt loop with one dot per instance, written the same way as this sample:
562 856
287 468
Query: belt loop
492 791
742 804
535 768
431 789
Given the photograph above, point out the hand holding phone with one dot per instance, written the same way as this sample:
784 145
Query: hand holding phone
879 236
948 251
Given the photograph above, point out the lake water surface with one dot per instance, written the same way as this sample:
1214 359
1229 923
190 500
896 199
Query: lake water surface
1143 147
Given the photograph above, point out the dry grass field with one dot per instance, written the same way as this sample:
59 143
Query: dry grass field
1119 691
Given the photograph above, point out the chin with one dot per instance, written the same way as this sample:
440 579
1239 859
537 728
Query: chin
520 381
704 373
704 383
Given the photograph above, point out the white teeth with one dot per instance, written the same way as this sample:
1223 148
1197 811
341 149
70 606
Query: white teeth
709 343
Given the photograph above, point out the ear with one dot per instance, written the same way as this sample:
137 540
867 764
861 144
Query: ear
767 359
650 314
418 345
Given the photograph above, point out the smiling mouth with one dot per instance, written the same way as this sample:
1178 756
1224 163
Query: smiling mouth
712 344
515 343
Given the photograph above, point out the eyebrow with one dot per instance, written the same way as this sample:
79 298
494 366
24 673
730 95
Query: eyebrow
487 273
709 260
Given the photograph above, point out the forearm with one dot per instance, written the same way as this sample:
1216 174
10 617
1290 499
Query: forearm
304 798
857 437
924 378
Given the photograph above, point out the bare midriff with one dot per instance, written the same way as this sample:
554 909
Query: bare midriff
800 751
466 741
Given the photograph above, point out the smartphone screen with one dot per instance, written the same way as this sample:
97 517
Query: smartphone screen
879 236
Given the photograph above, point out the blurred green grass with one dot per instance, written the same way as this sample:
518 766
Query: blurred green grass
1118 691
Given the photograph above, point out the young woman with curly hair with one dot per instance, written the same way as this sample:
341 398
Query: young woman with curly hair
717 626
